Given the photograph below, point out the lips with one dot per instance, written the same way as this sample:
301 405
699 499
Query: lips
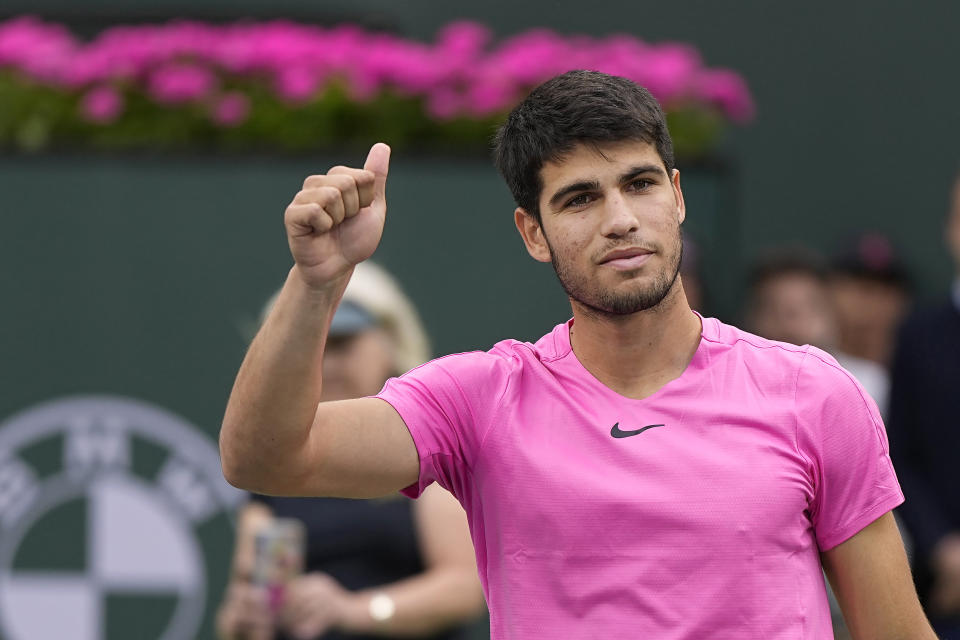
626 258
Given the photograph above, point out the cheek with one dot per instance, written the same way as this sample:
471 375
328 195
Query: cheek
372 364
562 243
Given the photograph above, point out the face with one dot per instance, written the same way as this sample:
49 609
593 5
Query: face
794 308
356 366
610 224
868 313
953 225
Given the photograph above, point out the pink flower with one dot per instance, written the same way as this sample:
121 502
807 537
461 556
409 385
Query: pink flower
101 105
444 103
231 109
178 83
668 71
36 48
460 74
490 96
532 57
297 84
727 90
464 38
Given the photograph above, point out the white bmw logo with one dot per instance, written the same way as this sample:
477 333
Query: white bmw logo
112 512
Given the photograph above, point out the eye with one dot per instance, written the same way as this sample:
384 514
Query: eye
578 201
641 184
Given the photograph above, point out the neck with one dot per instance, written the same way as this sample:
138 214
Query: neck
638 353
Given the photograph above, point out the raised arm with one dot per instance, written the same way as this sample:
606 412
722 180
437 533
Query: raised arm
277 438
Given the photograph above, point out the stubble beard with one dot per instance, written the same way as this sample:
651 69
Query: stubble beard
609 303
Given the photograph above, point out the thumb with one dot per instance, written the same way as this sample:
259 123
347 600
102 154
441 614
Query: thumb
378 162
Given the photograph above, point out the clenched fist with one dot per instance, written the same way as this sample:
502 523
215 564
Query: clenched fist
336 220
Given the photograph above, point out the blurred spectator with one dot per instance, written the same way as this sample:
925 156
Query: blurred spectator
691 274
788 300
870 289
925 443
388 567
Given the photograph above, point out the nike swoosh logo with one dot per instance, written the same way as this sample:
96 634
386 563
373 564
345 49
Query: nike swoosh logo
616 432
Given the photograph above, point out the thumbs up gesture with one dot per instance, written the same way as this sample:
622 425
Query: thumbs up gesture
336 220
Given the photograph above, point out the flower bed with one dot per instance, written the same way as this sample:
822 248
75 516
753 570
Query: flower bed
280 85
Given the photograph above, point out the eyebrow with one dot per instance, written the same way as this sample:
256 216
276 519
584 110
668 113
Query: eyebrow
584 185
633 172
593 185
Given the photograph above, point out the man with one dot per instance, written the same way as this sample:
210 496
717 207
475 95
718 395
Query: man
925 431
789 301
870 289
639 472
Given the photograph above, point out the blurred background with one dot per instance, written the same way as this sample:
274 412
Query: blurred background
143 178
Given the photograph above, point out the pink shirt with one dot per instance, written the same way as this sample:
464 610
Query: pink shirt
707 526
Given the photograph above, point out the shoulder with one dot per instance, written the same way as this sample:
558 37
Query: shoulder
755 352
775 369
495 367
734 338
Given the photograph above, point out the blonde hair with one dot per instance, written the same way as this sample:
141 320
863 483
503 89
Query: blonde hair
377 292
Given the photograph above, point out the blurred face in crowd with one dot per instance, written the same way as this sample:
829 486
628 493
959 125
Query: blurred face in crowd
793 307
868 314
356 365
610 224
693 288
953 225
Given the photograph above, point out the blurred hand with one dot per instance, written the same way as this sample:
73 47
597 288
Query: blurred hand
245 614
336 220
945 596
313 604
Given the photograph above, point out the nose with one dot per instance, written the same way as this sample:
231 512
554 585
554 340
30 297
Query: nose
618 219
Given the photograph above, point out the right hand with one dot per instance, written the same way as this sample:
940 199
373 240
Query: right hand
336 221
245 614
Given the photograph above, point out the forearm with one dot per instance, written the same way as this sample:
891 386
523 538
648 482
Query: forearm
871 579
426 603
276 392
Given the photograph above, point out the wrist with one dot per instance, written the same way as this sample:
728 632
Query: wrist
381 608
327 292
367 611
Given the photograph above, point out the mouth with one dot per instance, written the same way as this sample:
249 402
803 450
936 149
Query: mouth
624 259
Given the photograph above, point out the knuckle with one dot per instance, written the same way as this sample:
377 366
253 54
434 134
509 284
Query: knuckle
343 182
365 177
327 196
312 181
324 223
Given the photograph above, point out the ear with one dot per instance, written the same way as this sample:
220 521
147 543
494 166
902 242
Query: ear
532 235
678 196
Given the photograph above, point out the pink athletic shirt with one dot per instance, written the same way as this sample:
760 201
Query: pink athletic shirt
697 512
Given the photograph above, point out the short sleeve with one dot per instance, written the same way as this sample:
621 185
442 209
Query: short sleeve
840 431
447 406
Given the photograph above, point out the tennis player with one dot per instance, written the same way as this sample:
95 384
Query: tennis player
638 472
